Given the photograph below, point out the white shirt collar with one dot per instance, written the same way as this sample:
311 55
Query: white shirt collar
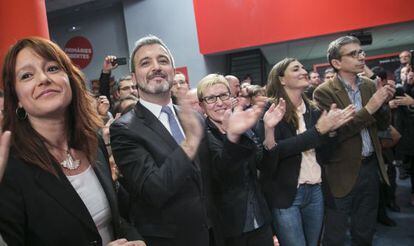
155 109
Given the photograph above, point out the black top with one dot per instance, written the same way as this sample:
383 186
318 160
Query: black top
281 181
38 208
240 200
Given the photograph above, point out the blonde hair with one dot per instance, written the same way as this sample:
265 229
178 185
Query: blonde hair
208 81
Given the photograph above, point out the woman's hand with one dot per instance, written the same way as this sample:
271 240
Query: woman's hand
274 114
239 121
275 241
271 118
4 150
335 118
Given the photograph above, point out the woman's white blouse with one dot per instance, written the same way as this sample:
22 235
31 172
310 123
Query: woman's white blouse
93 196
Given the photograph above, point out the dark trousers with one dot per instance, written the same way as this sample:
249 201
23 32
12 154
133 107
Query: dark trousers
384 200
201 239
361 205
409 159
262 236
389 158
387 192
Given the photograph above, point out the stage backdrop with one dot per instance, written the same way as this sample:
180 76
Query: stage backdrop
234 24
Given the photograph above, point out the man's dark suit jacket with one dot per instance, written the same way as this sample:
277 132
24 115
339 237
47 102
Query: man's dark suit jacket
38 208
168 191
280 179
343 168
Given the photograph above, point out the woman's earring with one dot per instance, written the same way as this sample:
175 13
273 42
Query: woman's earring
21 113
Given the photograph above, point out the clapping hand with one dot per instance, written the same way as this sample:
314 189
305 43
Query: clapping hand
383 94
239 121
405 100
335 118
275 241
274 114
271 118
4 150
341 116
191 124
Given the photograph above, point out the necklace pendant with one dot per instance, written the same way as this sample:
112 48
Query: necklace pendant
70 163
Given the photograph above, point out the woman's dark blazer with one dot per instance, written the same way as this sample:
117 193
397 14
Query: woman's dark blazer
281 177
229 162
38 208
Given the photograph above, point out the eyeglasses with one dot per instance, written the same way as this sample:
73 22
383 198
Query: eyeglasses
356 53
213 99
127 88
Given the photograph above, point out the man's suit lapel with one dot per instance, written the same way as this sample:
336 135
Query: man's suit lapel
63 192
341 93
158 128
155 125
365 95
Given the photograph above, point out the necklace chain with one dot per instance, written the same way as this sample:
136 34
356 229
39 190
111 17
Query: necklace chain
69 162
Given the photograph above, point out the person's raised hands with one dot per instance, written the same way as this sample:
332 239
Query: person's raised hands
108 64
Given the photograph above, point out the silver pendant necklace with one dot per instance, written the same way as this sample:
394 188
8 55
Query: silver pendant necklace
69 162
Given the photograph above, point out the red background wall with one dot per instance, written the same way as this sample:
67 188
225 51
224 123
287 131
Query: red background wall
18 19
224 25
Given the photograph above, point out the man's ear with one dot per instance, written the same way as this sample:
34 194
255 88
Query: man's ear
117 94
201 104
133 78
336 63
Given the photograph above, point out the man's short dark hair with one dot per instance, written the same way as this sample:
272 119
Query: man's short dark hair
336 45
117 106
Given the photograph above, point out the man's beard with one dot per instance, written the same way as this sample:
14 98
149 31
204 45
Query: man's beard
155 89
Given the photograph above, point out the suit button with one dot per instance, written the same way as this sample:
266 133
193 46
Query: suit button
93 243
